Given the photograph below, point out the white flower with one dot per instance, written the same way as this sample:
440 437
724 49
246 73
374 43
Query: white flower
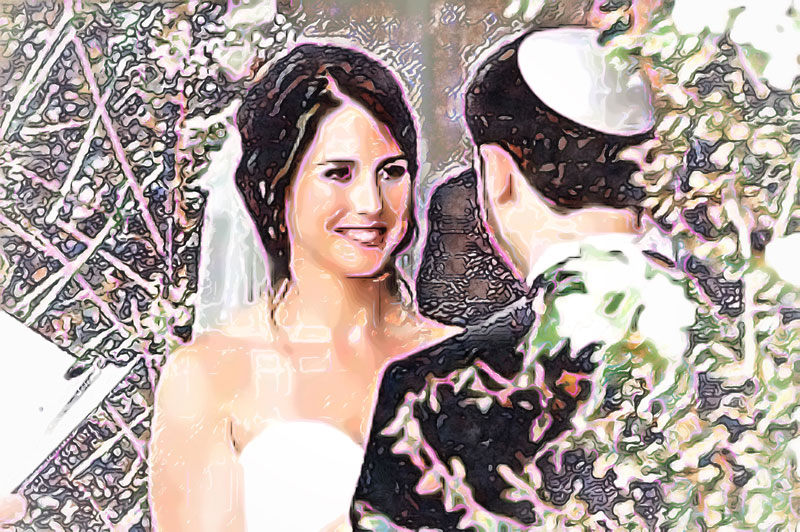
616 287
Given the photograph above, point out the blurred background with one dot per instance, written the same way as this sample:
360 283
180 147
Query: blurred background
122 234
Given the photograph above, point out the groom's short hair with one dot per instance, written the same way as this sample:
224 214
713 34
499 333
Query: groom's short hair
570 164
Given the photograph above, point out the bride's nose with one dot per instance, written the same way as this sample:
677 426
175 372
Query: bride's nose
364 194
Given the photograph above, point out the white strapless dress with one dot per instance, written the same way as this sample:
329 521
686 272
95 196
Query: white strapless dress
299 476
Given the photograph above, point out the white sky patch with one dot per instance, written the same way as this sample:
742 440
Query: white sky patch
764 24
781 255
33 394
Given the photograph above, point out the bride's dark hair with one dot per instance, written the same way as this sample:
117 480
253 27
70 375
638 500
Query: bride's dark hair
280 116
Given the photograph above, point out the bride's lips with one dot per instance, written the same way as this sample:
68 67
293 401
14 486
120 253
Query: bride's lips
368 236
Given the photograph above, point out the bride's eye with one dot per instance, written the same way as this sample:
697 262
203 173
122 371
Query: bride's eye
394 170
337 173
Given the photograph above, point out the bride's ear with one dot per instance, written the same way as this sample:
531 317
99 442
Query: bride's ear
497 170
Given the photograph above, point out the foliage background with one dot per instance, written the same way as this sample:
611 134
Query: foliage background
722 184
722 179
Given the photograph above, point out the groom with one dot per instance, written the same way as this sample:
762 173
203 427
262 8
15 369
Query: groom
455 426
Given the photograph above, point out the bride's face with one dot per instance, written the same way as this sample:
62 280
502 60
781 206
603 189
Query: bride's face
348 206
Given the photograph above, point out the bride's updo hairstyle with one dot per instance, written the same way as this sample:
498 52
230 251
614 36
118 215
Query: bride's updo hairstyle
280 116
553 101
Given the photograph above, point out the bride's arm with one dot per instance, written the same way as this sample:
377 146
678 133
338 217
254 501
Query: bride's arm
195 478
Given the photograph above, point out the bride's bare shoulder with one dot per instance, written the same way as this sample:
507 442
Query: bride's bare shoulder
440 331
217 364
418 332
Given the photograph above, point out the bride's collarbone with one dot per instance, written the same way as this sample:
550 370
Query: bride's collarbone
323 379
312 397
279 378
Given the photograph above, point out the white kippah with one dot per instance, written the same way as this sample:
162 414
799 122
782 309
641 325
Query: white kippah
573 75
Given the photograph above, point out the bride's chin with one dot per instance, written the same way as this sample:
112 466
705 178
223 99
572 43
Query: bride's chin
365 264
376 273
364 269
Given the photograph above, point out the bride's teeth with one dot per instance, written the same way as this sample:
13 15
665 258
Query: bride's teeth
364 236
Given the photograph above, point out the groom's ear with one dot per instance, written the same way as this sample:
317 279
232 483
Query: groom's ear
497 169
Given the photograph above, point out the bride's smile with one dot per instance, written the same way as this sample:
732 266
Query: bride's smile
348 207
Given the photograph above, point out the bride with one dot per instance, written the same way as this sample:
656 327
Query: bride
261 426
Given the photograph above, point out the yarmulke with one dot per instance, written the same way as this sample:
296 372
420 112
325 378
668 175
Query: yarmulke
576 77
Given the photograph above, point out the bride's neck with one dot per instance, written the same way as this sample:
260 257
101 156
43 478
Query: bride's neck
317 298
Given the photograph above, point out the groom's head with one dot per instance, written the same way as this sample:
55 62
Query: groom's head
548 114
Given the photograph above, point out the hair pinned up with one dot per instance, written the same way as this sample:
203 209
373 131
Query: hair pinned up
280 116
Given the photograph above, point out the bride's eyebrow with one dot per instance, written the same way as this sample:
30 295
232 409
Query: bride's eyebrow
335 161
394 159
